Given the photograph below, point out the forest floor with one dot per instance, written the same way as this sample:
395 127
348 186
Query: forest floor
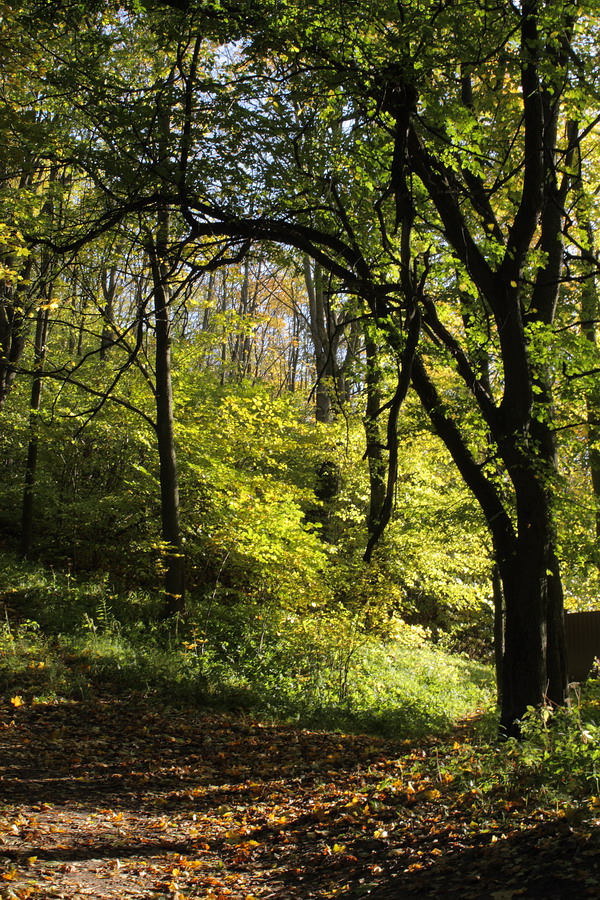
117 798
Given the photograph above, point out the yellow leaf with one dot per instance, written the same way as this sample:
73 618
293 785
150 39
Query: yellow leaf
339 848
16 701
234 837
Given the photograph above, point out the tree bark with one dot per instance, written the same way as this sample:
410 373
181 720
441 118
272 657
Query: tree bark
534 667
324 341
109 288
27 511
374 438
498 597
589 315
174 561
14 325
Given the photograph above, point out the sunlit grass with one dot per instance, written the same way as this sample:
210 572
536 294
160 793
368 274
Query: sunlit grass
63 639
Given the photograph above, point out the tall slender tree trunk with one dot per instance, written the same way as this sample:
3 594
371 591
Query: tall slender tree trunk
109 288
589 315
39 356
324 343
14 325
174 561
247 309
374 437
293 351
27 511
498 597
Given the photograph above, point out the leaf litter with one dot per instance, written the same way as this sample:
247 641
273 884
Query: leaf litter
127 799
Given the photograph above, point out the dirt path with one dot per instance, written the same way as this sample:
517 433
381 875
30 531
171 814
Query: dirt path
117 799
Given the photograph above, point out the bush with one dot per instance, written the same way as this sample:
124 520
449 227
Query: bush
556 760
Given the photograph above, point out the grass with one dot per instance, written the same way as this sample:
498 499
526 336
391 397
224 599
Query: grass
64 639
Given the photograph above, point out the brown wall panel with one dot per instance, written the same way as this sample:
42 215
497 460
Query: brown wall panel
583 642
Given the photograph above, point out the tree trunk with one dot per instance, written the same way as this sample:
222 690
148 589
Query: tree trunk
324 343
498 595
27 512
374 438
589 315
293 351
557 660
109 288
174 560
534 666
14 325
247 309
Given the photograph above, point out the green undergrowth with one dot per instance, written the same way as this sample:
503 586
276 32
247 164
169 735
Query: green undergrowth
61 639
554 770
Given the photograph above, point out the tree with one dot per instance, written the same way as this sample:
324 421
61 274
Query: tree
153 144
435 197
444 199
589 312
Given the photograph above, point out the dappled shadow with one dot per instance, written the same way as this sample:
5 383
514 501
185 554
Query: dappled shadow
99 849
264 810
549 861
114 752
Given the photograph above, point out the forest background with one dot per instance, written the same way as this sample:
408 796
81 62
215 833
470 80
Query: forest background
298 347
